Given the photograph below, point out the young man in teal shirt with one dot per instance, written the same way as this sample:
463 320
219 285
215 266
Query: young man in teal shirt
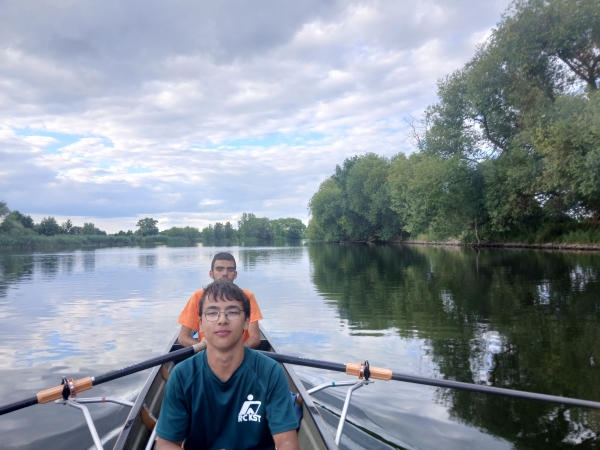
229 396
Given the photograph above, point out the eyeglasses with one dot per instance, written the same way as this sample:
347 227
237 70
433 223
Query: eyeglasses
230 314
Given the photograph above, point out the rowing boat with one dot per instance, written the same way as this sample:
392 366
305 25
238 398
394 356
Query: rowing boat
137 432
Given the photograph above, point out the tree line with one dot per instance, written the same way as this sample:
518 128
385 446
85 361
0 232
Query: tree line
511 151
252 228
20 229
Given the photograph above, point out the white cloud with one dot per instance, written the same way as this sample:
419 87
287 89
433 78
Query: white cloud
201 111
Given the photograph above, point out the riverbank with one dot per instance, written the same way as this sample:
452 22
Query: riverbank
498 244
37 242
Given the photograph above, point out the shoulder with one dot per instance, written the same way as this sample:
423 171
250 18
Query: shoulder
259 362
197 295
248 293
186 369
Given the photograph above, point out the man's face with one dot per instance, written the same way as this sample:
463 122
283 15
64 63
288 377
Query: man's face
223 270
224 332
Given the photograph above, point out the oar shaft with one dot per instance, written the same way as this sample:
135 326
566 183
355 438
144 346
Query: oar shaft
386 374
167 357
55 393
10 407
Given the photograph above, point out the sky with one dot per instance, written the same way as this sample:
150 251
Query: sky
195 112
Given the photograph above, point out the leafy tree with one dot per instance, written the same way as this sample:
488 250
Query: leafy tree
3 209
89 229
123 233
147 227
289 228
208 235
251 226
66 227
190 233
327 210
219 231
368 196
438 197
48 227
16 223
556 42
229 232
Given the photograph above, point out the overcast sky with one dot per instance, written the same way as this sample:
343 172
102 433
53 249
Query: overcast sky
193 112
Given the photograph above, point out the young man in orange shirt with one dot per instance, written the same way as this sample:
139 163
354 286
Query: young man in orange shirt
223 267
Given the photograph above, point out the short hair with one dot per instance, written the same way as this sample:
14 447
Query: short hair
225 291
223 256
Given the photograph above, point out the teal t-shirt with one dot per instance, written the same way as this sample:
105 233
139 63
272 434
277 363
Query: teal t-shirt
242 413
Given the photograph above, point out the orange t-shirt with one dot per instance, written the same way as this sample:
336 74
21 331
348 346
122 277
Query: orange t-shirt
190 317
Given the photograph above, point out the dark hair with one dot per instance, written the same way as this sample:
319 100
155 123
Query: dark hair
225 291
223 256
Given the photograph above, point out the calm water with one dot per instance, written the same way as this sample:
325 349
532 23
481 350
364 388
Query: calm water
527 320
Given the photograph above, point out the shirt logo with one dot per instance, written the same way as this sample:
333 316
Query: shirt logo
249 411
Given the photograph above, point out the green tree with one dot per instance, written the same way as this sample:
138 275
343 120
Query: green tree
147 227
229 232
89 229
251 226
3 209
556 42
368 195
208 235
219 231
438 197
190 233
288 228
48 226
66 227
16 224
327 210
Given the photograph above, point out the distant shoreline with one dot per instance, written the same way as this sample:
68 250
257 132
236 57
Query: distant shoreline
490 244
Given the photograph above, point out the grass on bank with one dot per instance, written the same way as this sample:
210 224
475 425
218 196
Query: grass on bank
38 241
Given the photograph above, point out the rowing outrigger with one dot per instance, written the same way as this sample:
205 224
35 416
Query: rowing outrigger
138 431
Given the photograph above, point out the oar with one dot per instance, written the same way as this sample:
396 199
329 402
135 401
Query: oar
84 384
386 374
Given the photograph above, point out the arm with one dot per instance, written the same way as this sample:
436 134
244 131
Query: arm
163 444
253 340
288 440
185 336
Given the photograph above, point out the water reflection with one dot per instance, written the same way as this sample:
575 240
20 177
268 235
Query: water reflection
518 319
147 260
13 269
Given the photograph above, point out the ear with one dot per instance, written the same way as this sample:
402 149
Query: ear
200 327
211 275
234 275
246 323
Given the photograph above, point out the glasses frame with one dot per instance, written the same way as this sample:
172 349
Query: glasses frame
226 313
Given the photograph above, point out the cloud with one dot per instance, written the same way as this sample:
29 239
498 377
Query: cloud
112 109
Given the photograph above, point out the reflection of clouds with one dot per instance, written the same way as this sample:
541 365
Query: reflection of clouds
484 346
578 432
447 302
581 277
543 294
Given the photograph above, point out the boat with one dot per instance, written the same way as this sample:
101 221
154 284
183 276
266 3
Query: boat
138 430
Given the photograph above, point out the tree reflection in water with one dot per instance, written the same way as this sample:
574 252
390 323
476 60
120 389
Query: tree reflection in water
518 319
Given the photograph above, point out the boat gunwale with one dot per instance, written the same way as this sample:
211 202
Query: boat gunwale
137 405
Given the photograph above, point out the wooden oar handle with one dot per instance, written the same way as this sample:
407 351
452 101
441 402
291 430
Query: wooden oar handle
376 372
55 393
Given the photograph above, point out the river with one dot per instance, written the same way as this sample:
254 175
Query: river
520 319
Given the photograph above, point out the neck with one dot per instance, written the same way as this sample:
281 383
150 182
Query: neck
224 363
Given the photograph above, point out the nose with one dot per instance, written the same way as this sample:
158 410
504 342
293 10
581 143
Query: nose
222 317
